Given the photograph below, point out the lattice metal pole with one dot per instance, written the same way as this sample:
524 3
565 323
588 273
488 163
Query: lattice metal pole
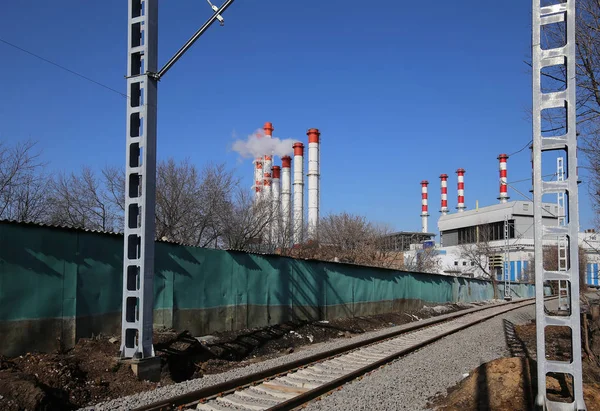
140 186
563 55
562 243
507 293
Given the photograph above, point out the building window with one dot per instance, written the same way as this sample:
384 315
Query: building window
472 263
456 263
485 232
464 263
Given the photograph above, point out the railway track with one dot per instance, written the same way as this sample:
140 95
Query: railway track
290 385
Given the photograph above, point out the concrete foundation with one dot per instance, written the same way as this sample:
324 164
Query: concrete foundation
147 369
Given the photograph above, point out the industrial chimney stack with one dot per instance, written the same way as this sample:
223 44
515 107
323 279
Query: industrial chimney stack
298 223
503 179
444 186
313 182
424 206
461 190
286 197
276 205
258 178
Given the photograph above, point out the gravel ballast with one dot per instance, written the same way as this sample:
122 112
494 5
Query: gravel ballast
432 369
408 383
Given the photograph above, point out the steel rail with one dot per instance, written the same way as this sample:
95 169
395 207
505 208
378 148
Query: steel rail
207 393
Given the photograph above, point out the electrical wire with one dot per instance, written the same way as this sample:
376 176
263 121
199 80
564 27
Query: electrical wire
64 68
524 147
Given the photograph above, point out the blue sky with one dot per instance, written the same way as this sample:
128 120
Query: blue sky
401 91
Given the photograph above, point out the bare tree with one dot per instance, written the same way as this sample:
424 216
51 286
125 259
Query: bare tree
22 182
245 222
480 253
423 261
83 201
189 202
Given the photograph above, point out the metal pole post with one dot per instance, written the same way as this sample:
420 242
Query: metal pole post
562 242
140 182
507 293
562 55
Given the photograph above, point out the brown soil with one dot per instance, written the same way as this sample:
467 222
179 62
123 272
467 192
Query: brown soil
91 373
505 384
511 383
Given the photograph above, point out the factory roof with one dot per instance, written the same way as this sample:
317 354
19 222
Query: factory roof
493 213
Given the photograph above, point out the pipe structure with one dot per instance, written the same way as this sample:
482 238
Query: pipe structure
276 205
461 190
503 179
268 162
424 206
258 178
444 187
313 182
268 129
298 222
286 198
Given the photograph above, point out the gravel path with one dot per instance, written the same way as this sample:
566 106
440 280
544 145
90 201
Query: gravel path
452 360
407 383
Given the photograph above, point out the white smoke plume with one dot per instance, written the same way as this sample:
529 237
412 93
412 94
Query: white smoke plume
258 144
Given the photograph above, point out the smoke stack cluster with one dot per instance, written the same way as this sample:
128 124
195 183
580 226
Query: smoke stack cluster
273 184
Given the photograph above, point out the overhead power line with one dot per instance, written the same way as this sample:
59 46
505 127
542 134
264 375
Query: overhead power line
64 68
524 147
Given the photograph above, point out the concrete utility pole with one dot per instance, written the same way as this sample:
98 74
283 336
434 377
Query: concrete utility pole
140 187
563 55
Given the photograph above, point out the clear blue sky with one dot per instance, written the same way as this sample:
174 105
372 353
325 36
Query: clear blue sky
401 91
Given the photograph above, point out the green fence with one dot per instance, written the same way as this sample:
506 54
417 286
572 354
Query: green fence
57 285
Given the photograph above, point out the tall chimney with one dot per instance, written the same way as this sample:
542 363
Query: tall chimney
267 164
313 182
276 205
461 190
503 181
444 185
268 129
298 223
258 178
424 206
286 198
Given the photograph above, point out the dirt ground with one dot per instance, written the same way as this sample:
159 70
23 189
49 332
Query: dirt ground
510 383
91 373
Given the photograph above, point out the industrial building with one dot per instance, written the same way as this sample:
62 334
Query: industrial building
504 232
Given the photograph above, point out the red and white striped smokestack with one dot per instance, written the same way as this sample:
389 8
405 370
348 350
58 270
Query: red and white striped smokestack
461 190
267 164
276 205
313 182
286 198
298 222
258 178
424 206
503 181
268 129
444 186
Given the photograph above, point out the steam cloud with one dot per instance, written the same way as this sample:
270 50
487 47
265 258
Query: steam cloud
257 144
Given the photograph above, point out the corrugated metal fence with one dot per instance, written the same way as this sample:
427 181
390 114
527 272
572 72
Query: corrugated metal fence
57 285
